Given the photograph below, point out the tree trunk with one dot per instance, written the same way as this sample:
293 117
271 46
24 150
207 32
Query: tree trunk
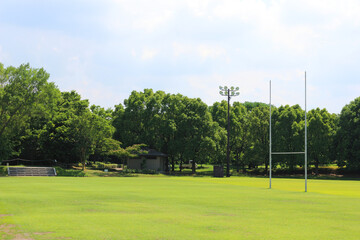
266 168
193 167
243 168
167 169
292 168
172 164
83 160
316 167
237 162
180 167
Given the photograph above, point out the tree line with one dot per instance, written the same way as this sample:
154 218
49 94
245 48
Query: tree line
38 121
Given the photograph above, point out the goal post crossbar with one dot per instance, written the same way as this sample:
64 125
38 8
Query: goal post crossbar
286 153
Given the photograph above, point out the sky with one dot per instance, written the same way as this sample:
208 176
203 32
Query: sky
106 49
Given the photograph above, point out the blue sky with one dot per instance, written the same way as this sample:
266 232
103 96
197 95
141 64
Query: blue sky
106 49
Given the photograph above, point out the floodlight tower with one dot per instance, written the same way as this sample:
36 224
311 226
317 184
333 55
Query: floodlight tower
229 92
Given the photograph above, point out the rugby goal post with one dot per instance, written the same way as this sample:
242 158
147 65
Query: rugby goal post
288 153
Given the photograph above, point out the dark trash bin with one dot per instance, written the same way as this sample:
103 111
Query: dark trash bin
218 171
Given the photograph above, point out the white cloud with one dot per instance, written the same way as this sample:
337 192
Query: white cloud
339 13
180 49
235 42
5 56
268 22
148 54
133 53
151 22
2 54
287 86
199 8
206 51
140 15
200 51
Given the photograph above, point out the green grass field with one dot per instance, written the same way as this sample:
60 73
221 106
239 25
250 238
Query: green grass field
158 207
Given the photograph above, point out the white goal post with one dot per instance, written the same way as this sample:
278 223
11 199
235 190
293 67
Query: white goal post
288 153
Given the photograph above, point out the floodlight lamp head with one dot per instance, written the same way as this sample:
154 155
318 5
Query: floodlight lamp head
221 88
237 88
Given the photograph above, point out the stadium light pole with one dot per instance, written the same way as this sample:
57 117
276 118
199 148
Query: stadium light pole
229 92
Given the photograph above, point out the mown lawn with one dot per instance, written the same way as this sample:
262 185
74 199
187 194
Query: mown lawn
158 207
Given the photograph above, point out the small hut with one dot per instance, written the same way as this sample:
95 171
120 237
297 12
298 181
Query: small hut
152 160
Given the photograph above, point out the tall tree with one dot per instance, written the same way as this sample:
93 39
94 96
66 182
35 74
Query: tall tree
194 125
21 92
30 143
240 135
176 125
321 131
259 136
56 141
239 132
73 133
85 131
348 136
140 120
288 135
106 114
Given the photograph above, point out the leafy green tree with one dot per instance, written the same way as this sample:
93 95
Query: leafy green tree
168 140
194 131
74 132
21 97
348 136
259 136
251 105
288 135
117 121
30 144
130 152
55 139
20 93
104 151
218 112
239 133
102 112
140 120
85 131
176 125
321 131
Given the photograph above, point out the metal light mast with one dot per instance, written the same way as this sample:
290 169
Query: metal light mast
229 92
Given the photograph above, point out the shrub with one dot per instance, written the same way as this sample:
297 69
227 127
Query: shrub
3 171
144 171
69 172
102 165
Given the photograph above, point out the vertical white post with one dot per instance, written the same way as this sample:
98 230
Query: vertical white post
270 139
305 140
